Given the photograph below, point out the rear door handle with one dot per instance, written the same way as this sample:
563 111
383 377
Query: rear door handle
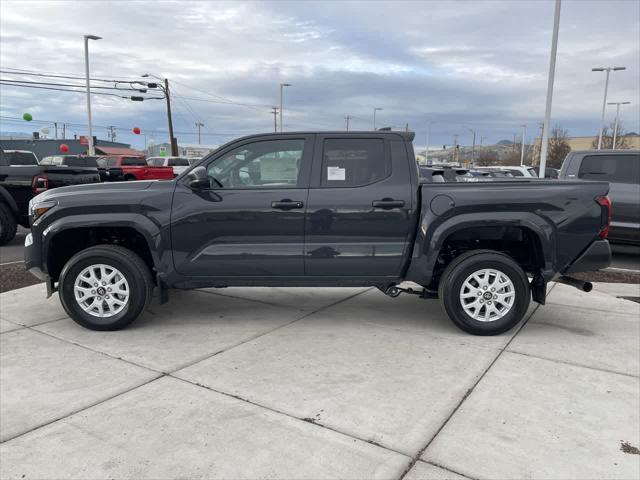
287 204
387 203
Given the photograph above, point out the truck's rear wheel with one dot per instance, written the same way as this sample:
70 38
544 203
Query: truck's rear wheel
8 225
105 287
484 292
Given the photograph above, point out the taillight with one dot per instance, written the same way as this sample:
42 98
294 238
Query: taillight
39 184
605 219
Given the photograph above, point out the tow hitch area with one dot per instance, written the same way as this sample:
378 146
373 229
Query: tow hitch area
394 290
574 282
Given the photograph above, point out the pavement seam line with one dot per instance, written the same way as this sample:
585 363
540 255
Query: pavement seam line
279 412
596 309
470 390
226 295
93 350
262 334
571 364
75 412
444 468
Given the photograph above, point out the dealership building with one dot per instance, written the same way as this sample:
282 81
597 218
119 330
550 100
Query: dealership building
44 147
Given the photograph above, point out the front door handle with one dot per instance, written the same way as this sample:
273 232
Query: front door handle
387 203
287 204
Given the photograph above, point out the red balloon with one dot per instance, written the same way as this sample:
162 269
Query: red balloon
64 148
136 130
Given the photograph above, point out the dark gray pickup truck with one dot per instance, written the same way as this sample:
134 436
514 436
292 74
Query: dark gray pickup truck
317 209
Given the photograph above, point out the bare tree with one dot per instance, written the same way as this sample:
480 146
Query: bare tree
622 143
558 147
487 158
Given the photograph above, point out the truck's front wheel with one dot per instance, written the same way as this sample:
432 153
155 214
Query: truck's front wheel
484 292
105 287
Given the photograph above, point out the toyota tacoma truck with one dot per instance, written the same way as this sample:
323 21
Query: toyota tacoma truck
317 209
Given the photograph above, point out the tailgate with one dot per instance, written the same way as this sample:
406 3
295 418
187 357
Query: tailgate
64 176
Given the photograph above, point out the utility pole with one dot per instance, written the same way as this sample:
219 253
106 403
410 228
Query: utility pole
198 125
172 140
615 127
426 152
455 147
55 126
86 68
481 141
604 101
524 132
473 147
347 118
64 131
274 110
112 133
552 71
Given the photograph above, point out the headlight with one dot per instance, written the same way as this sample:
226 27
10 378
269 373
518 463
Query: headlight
37 209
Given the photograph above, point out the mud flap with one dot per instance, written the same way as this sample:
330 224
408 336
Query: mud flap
539 289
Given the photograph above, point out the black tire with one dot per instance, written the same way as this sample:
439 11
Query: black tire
132 267
130 178
457 272
8 225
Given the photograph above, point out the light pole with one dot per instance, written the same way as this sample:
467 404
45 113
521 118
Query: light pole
282 85
199 124
604 101
86 68
375 109
426 152
524 133
473 147
552 71
615 125
165 89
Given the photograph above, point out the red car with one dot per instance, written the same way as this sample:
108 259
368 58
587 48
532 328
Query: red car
133 168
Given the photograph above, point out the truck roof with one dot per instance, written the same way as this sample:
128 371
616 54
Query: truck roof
407 136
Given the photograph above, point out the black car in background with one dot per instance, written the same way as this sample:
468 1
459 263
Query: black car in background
621 168
77 161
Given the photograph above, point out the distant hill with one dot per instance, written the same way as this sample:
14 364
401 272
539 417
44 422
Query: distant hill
505 142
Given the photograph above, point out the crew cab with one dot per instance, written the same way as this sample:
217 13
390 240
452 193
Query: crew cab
317 209
21 178
178 164
133 168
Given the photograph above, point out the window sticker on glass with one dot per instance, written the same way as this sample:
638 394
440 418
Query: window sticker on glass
336 173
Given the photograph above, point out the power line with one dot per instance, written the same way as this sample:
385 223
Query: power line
29 82
17 71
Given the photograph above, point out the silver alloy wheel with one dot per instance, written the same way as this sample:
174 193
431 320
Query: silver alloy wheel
487 295
101 290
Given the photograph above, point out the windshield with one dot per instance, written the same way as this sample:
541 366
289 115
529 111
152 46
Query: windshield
21 158
133 161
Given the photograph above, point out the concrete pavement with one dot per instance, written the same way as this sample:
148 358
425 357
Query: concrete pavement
320 383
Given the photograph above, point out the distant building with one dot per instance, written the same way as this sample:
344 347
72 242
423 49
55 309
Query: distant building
47 147
584 143
184 149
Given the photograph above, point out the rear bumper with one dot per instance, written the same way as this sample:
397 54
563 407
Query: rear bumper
596 257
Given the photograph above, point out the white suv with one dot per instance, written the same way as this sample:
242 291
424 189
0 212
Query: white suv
516 170
179 164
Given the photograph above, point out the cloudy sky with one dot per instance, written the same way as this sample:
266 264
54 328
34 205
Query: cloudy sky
458 64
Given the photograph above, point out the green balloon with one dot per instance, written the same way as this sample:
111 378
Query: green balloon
27 117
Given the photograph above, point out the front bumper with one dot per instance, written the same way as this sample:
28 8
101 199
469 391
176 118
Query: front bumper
596 257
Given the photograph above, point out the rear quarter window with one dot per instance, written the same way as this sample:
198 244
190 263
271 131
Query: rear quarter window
21 158
178 162
611 168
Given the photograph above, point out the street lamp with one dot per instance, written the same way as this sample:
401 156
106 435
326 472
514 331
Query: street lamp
524 133
282 85
375 109
615 127
604 101
473 148
86 68
199 124
426 152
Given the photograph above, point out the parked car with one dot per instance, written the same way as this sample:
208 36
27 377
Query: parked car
621 168
493 172
317 209
21 179
516 171
552 173
85 161
133 168
179 164
444 174
21 157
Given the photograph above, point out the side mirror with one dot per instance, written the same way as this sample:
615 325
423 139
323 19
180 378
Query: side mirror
198 179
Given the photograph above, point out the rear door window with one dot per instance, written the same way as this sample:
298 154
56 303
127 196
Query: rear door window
611 168
353 162
134 161
178 162
21 158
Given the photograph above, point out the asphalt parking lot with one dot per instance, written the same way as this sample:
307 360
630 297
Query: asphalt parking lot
321 383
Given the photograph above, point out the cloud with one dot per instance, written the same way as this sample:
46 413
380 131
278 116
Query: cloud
478 64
